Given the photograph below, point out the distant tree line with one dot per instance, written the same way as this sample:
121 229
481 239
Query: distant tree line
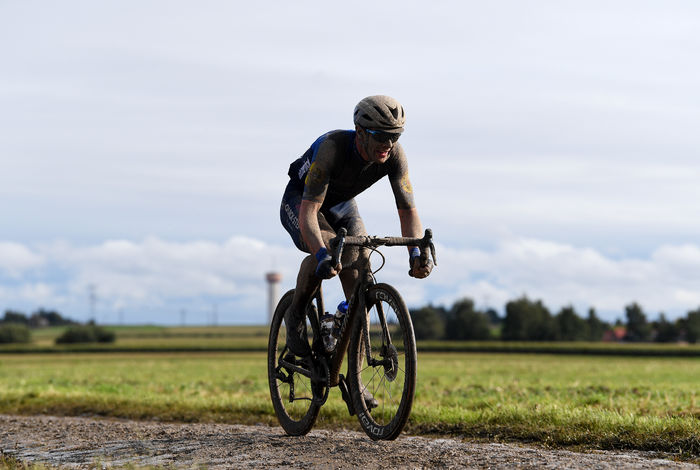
15 327
38 319
89 333
528 320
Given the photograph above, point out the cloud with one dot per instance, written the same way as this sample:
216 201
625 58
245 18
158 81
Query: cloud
562 274
154 279
16 259
158 272
152 275
554 156
545 127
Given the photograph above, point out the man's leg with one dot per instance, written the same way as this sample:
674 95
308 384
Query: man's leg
346 215
307 283
295 320
355 260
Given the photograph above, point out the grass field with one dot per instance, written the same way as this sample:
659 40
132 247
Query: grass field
254 338
589 401
129 338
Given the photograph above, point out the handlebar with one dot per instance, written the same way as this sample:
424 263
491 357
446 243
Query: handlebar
425 244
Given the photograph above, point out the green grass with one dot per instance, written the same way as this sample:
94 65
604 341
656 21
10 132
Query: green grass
150 338
10 463
580 401
563 347
600 402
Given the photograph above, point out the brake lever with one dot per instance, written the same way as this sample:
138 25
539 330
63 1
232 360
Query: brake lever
425 245
432 253
339 242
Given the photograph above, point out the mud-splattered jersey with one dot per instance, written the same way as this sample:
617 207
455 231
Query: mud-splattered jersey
332 171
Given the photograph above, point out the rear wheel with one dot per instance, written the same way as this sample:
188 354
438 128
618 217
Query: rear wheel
291 388
382 361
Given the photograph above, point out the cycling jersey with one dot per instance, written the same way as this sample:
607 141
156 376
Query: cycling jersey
332 172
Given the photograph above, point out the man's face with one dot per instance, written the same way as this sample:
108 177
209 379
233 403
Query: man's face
377 145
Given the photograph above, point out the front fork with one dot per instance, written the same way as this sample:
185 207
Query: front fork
387 351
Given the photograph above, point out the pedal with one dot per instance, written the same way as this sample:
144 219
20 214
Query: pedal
343 386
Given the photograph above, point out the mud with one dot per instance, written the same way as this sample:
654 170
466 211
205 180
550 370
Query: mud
68 442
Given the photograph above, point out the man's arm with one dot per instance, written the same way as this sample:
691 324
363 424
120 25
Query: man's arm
315 188
311 233
308 224
410 223
403 195
412 227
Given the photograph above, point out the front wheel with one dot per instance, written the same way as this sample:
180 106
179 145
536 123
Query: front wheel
291 388
382 364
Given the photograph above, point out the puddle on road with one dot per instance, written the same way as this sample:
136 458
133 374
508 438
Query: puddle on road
160 453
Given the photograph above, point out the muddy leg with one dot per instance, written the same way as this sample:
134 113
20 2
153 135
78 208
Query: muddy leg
307 284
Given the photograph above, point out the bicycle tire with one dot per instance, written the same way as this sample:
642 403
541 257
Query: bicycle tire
393 383
291 392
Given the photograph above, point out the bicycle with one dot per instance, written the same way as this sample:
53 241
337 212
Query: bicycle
376 333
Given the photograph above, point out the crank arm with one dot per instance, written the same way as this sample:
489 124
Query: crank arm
295 368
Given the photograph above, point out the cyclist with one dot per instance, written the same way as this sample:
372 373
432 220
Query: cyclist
319 200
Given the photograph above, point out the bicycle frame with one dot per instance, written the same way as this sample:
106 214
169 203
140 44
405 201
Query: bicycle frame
380 383
357 309
356 305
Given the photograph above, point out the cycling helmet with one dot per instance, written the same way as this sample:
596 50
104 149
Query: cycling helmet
380 112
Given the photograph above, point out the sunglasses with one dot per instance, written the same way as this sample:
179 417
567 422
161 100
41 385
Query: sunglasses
383 137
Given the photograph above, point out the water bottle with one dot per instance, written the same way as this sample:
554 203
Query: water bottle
339 318
327 324
331 326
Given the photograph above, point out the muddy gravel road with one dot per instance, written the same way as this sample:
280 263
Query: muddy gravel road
98 443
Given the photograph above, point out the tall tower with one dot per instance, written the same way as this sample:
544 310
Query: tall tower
273 282
92 297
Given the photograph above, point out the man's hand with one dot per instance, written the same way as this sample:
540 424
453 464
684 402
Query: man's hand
420 265
325 268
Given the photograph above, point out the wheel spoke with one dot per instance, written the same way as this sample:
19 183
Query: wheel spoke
374 374
289 380
389 336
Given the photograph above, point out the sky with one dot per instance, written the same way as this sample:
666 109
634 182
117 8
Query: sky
144 145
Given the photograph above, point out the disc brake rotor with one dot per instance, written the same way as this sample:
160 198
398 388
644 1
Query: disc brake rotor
390 371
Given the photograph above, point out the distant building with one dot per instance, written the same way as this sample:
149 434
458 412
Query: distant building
615 334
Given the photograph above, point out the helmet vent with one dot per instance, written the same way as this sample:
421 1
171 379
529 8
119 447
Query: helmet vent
380 112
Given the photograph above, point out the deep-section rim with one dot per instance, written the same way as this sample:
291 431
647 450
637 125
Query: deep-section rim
375 430
290 425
